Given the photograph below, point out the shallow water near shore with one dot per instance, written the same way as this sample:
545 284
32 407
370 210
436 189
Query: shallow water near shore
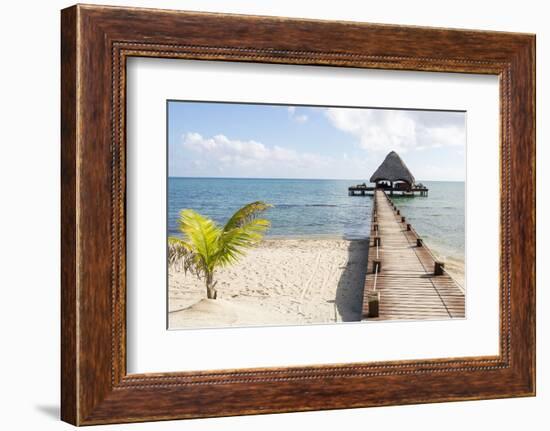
323 209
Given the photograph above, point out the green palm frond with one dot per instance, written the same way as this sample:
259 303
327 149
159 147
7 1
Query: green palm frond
198 250
234 242
202 234
206 246
245 214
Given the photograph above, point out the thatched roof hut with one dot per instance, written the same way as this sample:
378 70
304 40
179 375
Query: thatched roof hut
392 169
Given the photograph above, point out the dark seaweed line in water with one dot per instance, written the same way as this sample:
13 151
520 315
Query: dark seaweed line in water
320 208
305 205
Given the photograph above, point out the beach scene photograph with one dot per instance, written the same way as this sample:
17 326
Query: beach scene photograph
297 214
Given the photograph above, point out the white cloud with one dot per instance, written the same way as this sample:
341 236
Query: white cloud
224 149
384 130
220 150
299 118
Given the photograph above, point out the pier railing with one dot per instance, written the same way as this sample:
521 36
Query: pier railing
437 260
404 277
364 190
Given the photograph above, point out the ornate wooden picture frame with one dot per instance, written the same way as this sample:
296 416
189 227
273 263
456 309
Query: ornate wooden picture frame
96 42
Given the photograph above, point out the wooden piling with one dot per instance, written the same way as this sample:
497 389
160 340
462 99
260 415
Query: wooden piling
402 280
373 304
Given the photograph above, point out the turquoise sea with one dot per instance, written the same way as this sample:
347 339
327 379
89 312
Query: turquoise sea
303 208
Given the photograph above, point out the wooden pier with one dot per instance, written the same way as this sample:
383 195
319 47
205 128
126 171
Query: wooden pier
404 279
364 190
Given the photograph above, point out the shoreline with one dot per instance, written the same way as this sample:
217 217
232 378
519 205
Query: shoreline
456 265
320 236
280 281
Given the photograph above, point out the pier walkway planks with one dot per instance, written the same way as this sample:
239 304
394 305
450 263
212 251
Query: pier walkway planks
405 282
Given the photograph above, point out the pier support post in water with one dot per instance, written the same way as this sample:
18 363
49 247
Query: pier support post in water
375 227
413 284
398 212
374 303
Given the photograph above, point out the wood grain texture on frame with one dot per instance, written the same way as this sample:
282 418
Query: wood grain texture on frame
96 41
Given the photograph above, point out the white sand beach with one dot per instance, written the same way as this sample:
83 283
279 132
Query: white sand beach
455 268
278 282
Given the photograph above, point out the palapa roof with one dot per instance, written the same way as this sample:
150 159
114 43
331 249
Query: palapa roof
392 169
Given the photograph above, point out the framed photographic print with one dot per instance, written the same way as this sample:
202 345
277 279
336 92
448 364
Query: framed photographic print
265 215
295 248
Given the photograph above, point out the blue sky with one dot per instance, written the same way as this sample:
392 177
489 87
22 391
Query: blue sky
280 141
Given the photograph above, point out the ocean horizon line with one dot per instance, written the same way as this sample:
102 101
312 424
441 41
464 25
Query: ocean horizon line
294 179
